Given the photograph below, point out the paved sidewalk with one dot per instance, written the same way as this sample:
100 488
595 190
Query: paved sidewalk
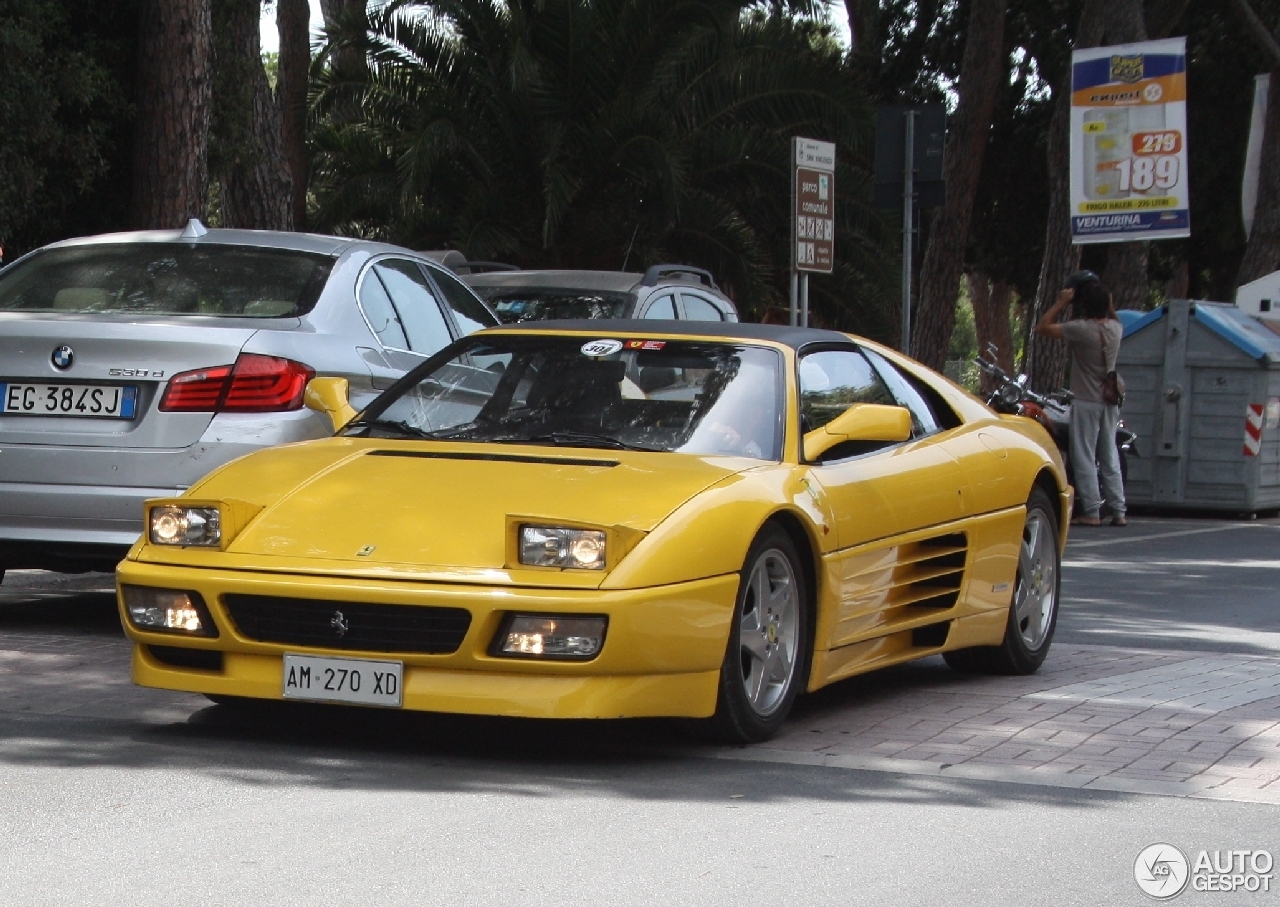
1097 717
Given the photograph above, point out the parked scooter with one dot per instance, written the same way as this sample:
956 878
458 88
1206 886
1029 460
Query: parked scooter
1053 411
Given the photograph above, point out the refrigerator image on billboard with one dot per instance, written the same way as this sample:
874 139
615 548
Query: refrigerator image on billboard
1128 142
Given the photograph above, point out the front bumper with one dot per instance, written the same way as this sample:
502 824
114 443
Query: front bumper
661 656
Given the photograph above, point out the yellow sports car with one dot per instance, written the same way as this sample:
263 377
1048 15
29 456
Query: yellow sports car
600 519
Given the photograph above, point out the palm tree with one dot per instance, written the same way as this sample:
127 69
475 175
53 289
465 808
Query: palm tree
598 134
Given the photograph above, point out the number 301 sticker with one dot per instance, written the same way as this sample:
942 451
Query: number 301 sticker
601 347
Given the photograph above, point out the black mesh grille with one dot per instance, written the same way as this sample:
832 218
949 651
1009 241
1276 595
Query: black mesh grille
327 624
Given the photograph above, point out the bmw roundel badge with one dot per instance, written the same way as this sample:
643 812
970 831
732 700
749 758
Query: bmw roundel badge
62 358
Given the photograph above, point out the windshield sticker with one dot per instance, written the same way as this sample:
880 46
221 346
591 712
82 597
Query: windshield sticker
601 347
645 344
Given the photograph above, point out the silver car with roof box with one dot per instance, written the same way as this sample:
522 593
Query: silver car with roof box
662 292
132 364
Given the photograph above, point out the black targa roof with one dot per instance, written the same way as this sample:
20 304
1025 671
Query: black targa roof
619 327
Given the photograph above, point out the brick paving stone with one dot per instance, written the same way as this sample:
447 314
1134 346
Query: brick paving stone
1106 717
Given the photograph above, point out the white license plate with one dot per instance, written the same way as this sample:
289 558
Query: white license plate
100 401
359 680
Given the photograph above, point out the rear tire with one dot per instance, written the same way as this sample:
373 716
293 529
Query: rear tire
1033 609
769 649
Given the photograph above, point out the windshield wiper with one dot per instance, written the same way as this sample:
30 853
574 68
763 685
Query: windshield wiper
404 429
573 438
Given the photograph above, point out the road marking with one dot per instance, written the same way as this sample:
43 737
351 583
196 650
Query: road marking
1118 540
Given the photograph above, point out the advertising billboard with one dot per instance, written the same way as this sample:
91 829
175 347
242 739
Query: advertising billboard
1129 142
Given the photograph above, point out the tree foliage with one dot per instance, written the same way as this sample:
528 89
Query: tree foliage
569 133
65 87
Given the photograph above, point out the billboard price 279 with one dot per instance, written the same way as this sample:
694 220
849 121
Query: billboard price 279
1129 142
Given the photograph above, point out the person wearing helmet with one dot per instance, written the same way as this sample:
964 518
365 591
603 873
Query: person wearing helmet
1093 338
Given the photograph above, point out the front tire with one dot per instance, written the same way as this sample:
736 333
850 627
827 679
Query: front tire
1033 610
769 642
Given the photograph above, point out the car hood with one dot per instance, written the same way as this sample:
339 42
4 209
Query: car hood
442 511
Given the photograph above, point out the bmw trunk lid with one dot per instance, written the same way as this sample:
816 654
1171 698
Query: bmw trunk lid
47 362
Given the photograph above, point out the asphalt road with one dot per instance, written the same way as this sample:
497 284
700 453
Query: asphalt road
327 806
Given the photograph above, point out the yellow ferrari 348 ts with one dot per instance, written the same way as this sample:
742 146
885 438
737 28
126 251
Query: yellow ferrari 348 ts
601 519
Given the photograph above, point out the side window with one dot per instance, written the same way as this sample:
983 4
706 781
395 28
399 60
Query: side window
468 311
380 313
923 421
424 323
663 307
833 380
697 308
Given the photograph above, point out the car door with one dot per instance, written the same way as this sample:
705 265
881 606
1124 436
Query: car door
661 306
470 314
402 311
889 504
699 308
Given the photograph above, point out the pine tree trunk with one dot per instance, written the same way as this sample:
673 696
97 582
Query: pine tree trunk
991 319
170 164
1126 274
350 17
293 21
981 70
256 191
1262 252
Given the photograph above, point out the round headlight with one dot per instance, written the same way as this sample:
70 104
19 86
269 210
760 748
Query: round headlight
587 550
168 525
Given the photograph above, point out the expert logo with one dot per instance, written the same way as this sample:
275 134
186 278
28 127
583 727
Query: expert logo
1163 871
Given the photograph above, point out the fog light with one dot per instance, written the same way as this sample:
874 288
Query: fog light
558 546
174 525
167 610
546 636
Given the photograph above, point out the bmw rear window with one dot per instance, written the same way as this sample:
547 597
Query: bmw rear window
166 279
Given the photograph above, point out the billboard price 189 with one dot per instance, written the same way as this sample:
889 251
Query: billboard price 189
1128 142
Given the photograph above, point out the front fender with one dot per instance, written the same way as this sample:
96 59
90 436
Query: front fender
710 533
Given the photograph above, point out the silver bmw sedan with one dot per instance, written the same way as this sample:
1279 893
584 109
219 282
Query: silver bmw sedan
133 364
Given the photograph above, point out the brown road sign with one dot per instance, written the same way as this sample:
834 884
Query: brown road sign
815 220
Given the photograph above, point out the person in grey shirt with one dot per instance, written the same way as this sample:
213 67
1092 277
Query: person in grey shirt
1093 338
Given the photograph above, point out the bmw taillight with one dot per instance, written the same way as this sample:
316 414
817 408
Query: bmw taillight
255 384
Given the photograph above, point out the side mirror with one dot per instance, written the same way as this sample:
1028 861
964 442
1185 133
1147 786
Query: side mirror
329 397
860 422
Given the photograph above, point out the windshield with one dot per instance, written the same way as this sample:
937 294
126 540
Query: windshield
529 304
166 279
687 396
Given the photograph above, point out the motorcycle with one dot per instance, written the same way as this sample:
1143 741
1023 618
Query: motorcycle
1053 411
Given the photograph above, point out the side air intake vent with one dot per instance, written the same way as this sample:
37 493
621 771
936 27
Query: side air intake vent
889 587
932 570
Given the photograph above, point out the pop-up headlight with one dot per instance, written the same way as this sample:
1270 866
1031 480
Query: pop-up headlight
172 524
557 546
167 610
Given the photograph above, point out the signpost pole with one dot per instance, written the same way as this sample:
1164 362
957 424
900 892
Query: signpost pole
795 276
908 216
804 299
